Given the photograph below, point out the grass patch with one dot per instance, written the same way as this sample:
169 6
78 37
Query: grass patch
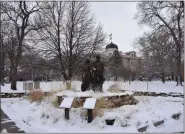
36 95
55 102
98 112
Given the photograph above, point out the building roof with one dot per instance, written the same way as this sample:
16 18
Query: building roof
111 45
129 52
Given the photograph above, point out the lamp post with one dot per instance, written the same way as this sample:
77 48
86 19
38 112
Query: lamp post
147 82
129 69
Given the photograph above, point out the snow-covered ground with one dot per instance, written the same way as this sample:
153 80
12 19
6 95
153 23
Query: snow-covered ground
44 117
154 86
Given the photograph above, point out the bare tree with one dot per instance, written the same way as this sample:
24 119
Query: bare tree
19 14
69 34
155 14
158 52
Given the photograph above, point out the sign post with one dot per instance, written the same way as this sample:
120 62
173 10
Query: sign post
66 104
89 105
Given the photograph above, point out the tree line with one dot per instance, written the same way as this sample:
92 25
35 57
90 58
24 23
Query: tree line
62 31
39 37
162 46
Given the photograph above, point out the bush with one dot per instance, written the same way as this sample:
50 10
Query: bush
55 102
36 95
114 88
52 98
98 112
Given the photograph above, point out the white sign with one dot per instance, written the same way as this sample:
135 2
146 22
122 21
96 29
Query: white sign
67 103
89 103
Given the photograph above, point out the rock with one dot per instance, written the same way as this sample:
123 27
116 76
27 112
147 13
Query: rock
158 123
80 102
117 102
176 116
149 93
127 102
126 98
122 96
142 129
145 93
109 98
110 105
131 97
75 104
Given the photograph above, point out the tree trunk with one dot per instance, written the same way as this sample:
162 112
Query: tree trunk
163 78
10 73
14 78
116 78
1 54
172 76
179 77
13 84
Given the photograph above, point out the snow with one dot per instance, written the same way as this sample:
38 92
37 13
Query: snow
111 115
74 94
4 131
67 102
43 117
89 103
153 86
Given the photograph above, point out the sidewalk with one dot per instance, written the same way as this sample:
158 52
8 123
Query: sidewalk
8 126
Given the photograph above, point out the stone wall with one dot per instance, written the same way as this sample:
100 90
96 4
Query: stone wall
104 102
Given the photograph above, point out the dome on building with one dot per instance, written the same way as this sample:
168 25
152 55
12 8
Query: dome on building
112 45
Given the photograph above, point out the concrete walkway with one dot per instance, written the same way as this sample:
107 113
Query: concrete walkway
7 125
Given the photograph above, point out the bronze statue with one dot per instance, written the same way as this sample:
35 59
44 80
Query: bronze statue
97 74
86 75
92 76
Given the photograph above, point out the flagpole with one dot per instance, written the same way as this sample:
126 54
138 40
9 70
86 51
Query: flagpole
110 36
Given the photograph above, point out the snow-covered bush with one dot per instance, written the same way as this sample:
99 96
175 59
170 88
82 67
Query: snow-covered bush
114 88
98 112
68 85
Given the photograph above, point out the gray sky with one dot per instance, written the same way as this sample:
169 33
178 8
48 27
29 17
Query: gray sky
117 18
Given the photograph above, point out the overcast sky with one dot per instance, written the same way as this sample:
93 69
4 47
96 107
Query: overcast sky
117 18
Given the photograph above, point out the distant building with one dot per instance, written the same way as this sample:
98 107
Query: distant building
130 59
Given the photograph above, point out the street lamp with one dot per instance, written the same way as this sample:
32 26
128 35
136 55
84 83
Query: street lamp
129 69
